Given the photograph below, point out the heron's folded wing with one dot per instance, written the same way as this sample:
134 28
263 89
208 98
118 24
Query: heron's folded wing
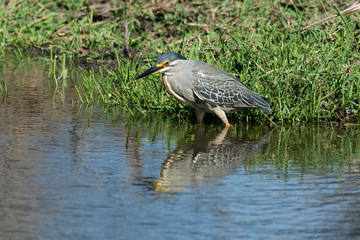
225 91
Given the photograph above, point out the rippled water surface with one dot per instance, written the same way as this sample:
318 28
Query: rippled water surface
74 172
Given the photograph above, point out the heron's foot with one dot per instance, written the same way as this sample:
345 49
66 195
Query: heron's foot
221 114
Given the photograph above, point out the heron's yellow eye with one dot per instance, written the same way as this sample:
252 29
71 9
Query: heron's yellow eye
164 64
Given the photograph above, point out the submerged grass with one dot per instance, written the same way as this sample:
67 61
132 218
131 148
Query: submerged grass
306 75
3 90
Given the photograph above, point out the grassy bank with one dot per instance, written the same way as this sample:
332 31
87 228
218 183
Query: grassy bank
307 75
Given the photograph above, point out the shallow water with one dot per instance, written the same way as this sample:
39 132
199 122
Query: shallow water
71 172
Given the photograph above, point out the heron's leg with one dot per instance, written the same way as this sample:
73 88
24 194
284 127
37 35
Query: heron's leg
221 114
200 116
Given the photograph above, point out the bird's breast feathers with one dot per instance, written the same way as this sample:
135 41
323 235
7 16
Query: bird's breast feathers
173 91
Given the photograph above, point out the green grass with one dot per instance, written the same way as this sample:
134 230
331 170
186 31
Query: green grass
307 75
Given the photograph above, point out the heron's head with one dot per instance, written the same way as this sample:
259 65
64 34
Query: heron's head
164 62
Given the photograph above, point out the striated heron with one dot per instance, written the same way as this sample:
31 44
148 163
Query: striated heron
204 87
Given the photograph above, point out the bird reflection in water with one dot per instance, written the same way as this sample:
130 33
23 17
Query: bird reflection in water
205 158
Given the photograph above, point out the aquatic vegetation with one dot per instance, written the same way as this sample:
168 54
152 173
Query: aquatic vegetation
3 90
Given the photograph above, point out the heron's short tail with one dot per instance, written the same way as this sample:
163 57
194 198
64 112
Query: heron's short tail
266 110
263 104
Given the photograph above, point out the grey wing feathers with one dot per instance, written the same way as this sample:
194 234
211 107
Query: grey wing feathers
226 91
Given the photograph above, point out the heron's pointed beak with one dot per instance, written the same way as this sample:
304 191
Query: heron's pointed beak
155 68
